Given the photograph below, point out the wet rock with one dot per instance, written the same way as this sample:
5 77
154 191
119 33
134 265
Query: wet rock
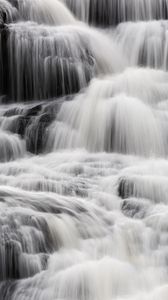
36 133
19 125
46 118
35 137
33 111
7 289
4 63
14 3
134 208
13 112
126 188
31 122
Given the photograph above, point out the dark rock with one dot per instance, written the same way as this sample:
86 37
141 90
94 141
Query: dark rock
46 118
19 125
14 3
36 133
4 63
35 137
33 111
31 123
13 112
126 188
134 208
7 289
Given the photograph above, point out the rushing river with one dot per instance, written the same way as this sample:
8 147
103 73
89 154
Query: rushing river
84 150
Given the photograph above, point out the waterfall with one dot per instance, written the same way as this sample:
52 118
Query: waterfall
107 12
63 60
150 42
83 149
50 12
8 13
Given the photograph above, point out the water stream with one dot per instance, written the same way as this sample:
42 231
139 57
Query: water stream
83 150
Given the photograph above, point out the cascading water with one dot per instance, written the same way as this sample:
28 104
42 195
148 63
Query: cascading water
83 149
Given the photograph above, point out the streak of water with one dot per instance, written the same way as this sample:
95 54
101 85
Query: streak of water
83 161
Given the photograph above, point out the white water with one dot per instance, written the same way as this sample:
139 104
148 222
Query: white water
83 151
150 42
52 12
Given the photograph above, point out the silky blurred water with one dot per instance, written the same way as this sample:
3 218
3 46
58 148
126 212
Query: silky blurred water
83 150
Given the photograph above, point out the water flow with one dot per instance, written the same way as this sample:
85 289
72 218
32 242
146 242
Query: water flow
150 45
41 62
83 150
52 12
8 13
112 12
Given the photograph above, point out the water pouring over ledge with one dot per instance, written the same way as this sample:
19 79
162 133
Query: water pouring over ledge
83 150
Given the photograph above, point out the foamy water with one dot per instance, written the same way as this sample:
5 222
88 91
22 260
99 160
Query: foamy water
83 150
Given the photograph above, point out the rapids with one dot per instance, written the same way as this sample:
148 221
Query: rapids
83 149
